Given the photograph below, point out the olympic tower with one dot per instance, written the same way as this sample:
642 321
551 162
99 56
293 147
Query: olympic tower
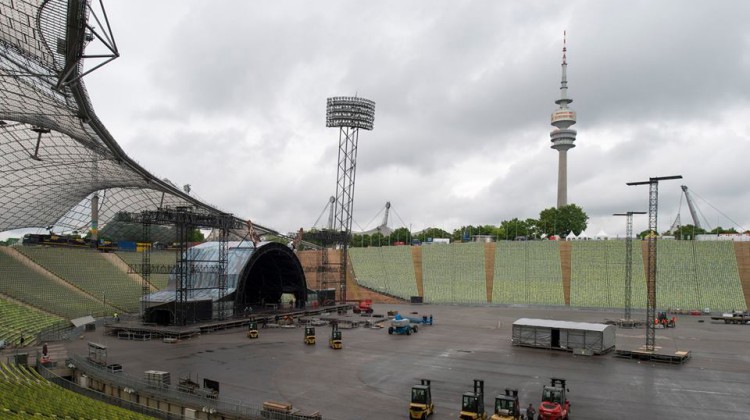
562 136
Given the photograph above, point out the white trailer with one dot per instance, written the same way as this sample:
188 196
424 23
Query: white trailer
584 337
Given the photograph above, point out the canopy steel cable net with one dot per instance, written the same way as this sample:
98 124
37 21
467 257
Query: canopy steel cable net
55 154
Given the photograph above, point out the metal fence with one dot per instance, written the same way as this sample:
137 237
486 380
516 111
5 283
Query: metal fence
59 331
108 399
171 393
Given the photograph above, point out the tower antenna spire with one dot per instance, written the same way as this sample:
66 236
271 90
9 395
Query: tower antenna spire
564 82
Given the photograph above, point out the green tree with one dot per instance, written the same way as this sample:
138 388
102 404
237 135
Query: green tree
645 234
358 241
377 239
465 233
561 221
195 235
688 232
515 228
401 234
431 233
720 229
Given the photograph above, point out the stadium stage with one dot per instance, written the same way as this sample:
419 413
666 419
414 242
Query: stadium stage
131 328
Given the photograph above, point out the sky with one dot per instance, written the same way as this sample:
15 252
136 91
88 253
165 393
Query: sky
230 96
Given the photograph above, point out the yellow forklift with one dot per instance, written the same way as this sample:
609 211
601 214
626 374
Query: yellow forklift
507 406
472 403
335 341
421 401
309 335
252 330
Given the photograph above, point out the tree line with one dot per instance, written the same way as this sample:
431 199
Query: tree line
553 221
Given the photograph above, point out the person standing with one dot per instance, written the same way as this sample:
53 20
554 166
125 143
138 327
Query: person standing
530 412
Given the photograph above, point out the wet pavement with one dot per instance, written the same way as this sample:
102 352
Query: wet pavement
371 377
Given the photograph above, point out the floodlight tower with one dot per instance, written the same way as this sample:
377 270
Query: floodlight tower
562 136
349 114
628 262
653 211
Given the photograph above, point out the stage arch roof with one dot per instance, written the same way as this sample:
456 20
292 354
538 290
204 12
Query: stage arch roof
257 274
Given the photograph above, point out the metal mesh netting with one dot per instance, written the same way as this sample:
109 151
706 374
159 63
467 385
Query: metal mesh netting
55 154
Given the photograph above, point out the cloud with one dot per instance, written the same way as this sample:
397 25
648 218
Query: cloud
230 97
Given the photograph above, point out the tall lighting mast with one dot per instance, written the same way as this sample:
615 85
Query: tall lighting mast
653 212
628 263
349 114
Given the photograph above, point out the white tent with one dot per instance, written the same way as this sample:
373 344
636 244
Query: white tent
571 236
584 236
602 235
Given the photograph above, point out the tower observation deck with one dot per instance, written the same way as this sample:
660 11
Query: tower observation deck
562 136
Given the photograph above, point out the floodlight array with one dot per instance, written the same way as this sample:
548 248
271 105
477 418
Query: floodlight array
351 112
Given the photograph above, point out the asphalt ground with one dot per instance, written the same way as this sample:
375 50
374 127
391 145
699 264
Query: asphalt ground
371 377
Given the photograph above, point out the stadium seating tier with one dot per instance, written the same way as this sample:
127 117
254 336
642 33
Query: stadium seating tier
26 394
90 272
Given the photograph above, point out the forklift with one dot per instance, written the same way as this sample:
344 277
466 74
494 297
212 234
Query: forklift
421 404
335 341
555 405
309 335
472 403
252 330
507 406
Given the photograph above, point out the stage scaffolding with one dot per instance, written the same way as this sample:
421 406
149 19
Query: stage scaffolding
185 220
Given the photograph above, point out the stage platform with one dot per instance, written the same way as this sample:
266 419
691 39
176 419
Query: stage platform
626 323
137 330
676 358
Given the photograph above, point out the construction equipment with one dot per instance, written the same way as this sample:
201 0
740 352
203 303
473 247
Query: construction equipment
252 330
662 321
507 406
735 317
555 405
424 320
335 341
286 321
283 410
401 325
362 306
421 404
472 403
309 335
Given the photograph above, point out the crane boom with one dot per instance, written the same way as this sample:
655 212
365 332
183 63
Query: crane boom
691 206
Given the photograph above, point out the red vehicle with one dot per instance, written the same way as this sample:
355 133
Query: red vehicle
361 306
555 405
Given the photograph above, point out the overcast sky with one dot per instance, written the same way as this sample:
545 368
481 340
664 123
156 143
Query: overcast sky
229 96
